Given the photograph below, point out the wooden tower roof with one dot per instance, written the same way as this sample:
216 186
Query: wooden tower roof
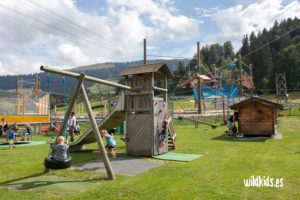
160 69
257 100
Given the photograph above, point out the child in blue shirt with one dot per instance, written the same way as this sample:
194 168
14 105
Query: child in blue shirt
11 138
111 143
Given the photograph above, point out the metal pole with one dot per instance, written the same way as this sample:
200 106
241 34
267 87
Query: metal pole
145 51
88 78
71 103
108 167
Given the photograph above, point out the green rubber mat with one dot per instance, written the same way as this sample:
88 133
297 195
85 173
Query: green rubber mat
51 183
32 143
181 157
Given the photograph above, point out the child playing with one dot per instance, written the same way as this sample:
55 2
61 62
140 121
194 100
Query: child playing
164 130
111 143
60 149
3 126
11 138
27 132
229 124
77 129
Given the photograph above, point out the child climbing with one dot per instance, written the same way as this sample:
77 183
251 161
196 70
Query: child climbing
164 130
11 137
111 143
60 149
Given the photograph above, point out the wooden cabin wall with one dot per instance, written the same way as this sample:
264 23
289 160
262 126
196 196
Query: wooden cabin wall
256 119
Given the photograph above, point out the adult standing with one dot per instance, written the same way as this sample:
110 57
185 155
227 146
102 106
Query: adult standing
3 126
72 124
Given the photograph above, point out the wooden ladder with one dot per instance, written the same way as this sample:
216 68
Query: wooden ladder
171 136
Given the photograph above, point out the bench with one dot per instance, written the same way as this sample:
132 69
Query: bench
46 129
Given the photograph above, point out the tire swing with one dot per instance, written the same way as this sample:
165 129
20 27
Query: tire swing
51 163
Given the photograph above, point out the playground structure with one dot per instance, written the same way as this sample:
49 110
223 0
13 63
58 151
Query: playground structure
28 104
214 91
139 102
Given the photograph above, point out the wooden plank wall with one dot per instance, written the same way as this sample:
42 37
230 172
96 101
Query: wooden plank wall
256 119
139 128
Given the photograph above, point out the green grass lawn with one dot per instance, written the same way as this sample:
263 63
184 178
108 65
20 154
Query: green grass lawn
218 174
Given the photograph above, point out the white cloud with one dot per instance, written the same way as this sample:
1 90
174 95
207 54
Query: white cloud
237 21
206 12
3 70
71 54
33 34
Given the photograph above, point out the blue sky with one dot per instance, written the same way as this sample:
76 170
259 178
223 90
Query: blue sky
69 33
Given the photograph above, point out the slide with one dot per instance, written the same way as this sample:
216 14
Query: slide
112 120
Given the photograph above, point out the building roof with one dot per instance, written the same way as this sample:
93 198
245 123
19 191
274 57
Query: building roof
203 78
148 68
257 100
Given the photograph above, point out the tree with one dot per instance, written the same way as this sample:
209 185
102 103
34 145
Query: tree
228 50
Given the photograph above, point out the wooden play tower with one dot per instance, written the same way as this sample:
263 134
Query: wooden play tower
145 111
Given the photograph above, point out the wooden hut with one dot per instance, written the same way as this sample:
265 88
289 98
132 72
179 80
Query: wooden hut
144 111
257 117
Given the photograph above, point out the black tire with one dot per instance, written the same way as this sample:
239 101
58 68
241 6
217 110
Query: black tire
50 163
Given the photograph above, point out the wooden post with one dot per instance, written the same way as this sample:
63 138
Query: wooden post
223 107
166 87
71 103
199 79
251 75
24 104
199 95
198 56
240 77
145 51
87 104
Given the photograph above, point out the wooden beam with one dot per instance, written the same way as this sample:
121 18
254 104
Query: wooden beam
101 147
160 89
71 103
88 78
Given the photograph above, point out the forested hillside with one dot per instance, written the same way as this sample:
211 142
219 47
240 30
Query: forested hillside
281 54
269 51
